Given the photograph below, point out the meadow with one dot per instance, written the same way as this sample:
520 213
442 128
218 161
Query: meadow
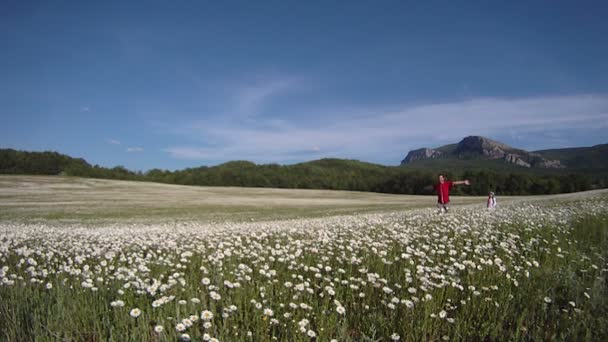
98 260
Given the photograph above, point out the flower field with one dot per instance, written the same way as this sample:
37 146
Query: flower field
532 271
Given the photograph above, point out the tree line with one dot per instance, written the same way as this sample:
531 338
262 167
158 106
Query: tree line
330 174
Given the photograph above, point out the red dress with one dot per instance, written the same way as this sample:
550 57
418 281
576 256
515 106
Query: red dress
443 192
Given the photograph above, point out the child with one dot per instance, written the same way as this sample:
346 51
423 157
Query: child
491 204
443 192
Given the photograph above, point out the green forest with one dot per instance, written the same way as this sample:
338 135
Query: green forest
331 174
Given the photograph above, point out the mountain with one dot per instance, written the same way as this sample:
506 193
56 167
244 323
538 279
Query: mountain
339 174
481 148
594 157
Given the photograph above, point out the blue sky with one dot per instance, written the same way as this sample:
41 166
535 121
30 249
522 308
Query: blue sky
175 84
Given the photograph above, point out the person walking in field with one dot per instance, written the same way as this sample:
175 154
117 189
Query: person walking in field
491 201
443 192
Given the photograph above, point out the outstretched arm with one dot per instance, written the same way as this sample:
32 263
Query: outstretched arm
465 182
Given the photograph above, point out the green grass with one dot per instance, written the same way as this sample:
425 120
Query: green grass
200 214
111 227
566 253
69 199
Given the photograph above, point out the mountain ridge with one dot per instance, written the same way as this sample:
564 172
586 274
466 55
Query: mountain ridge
478 147
345 174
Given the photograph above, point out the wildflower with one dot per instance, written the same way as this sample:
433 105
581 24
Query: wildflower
117 304
341 310
158 329
206 315
135 313
395 337
547 300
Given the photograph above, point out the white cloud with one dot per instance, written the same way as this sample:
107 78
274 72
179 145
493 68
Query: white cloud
189 153
251 97
85 109
392 133
113 141
135 149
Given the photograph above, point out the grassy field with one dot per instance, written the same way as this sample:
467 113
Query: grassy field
97 260
44 198
90 201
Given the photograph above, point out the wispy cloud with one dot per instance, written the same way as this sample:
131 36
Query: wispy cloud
250 98
113 141
85 109
135 149
189 153
390 133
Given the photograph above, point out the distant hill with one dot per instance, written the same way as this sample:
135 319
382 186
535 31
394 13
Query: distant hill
475 159
37 163
476 148
335 174
53 163
594 157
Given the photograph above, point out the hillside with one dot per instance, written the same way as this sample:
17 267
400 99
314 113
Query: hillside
332 174
38 163
75 199
595 157
474 149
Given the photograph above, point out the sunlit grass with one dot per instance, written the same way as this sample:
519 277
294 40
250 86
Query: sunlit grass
525 271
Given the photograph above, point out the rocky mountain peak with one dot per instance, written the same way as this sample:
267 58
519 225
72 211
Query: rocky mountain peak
422 153
482 145
478 147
